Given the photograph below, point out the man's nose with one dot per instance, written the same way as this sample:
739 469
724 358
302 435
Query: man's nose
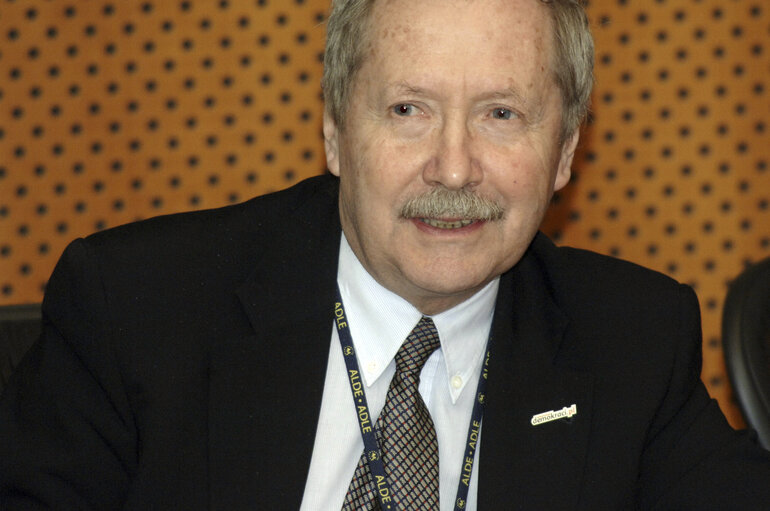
453 164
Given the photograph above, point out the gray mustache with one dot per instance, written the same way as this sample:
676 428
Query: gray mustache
441 202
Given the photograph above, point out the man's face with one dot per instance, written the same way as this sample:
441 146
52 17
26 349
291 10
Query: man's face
452 95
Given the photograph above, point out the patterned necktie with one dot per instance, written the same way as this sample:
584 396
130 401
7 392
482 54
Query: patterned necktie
405 434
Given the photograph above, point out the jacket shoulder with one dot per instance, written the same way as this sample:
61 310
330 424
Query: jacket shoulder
581 273
183 263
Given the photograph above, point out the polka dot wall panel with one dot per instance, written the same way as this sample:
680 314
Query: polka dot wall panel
114 111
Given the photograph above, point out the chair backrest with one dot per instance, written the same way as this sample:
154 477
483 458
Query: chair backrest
20 326
746 339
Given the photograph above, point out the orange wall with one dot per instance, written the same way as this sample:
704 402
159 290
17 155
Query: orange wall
113 111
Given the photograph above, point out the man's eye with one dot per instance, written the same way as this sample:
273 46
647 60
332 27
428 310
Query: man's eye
502 114
404 109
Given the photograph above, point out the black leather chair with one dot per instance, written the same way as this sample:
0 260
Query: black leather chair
20 326
746 340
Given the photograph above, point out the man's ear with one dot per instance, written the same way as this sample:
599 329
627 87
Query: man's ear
331 144
564 170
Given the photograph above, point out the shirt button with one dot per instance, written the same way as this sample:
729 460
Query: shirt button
371 367
456 382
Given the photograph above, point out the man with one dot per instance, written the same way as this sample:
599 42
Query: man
194 361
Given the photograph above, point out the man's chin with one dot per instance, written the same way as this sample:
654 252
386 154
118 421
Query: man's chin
433 294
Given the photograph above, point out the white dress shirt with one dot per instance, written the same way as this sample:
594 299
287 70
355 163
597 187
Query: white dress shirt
379 322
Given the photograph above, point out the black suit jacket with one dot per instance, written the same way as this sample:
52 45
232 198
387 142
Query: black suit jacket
183 359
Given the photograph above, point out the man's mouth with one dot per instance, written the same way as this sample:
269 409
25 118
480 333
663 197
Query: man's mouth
441 208
446 224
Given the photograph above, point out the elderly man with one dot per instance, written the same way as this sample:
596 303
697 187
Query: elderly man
396 337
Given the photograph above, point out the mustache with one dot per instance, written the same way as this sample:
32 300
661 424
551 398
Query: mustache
441 202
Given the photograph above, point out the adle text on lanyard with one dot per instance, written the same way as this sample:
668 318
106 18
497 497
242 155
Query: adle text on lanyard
366 421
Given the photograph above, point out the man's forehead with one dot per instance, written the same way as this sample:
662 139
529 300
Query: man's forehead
468 34
525 8
404 20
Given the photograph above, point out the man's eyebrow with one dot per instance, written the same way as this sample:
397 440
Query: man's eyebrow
508 93
403 87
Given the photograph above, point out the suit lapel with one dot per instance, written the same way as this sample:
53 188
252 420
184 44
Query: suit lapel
523 465
266 389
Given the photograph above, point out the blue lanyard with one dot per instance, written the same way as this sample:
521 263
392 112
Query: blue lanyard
366 424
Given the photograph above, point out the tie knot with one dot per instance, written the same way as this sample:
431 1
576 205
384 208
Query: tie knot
419 345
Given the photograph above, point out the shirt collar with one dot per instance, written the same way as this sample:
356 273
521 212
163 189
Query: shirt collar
380 320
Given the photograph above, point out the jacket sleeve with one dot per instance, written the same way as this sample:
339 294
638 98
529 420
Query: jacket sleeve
693 458
66 435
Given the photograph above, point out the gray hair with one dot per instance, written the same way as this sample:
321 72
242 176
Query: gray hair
347 30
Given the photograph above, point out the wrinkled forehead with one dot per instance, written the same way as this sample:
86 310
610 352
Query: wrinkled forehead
520 28
471 37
